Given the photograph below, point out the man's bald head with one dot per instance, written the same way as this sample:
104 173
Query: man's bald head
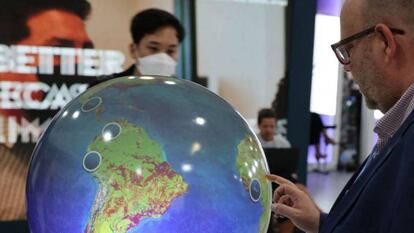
352 17
383 59
388 12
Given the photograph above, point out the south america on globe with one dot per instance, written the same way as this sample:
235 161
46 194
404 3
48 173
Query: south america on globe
148 154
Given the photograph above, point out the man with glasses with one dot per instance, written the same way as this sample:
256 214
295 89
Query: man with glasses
378 50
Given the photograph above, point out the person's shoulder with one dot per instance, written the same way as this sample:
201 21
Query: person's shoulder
127 72
103 78
281 141
280 137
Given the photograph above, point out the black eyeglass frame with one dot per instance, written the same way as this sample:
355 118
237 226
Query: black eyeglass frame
357 36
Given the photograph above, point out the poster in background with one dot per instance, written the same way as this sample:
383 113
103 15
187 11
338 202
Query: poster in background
50 52
46 60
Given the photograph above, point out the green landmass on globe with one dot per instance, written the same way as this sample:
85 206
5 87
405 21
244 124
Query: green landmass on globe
249 156
135 181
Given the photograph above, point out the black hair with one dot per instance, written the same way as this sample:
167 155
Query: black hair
265 113
151 20
14 15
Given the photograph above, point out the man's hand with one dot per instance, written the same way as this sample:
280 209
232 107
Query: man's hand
294 204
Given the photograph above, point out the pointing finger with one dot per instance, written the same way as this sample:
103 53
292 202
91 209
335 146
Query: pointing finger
277 179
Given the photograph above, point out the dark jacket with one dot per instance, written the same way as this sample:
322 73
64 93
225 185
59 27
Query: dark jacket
381 200
103 78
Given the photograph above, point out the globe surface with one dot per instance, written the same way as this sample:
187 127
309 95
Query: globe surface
148 154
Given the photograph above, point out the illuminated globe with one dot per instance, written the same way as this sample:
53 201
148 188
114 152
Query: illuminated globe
148 154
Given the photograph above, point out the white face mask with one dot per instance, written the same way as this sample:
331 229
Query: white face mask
156 64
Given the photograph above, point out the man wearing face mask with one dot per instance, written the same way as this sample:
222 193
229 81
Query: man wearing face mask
156 36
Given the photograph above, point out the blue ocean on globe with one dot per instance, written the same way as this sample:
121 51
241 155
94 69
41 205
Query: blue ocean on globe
148 154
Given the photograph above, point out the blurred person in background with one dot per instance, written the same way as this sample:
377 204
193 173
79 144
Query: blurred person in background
156 36
267 123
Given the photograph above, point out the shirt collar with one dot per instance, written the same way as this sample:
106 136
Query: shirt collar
393 118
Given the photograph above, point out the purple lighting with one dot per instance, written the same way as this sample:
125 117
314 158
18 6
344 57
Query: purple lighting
329 7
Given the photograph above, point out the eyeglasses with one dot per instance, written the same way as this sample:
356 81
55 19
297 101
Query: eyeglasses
342 52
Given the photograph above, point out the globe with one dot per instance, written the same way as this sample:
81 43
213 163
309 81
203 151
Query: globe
148 154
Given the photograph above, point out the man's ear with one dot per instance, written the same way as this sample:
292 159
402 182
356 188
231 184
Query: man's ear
390 44
133 50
